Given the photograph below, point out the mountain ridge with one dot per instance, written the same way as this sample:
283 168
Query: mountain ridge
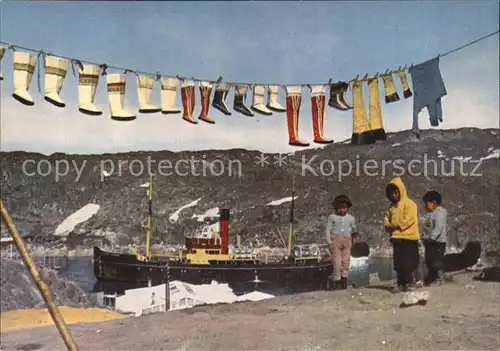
39 203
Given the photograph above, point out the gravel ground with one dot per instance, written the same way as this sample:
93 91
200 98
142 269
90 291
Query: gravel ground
462 315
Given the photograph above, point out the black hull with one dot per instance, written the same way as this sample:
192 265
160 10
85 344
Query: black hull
117 272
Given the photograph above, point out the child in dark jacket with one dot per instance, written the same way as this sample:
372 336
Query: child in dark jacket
434 237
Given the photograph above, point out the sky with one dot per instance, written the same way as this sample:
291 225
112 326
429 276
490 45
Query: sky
255 42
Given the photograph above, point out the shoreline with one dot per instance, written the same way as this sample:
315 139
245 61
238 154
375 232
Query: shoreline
460 315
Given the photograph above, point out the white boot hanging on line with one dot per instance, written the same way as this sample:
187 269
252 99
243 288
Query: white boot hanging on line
24 67
116 97
87 87
258 100
168 95
145 86
55 74
2 52
272 99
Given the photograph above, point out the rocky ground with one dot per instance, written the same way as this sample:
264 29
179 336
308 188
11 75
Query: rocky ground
18 291
39 203
462 315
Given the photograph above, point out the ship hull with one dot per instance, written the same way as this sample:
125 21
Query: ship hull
117 272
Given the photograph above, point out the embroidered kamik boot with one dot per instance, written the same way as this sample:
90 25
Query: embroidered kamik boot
55 74
360 131
24 67
375 111
338 96
87 87
187 95
205 92
220 97
116 97
240 96
145 86
2 52
318 113
272 99
258 101
404 83
391 95
293 102
168 95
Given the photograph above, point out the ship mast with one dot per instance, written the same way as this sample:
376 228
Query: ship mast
150 217
290 230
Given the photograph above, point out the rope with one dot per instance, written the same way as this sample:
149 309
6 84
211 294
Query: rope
13 48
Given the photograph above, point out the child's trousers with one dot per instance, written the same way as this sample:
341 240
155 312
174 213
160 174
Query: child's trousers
405 259
434 259
341 256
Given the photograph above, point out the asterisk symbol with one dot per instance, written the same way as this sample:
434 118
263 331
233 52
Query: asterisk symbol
280 160
262 160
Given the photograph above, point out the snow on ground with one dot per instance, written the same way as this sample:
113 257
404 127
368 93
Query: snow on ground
254 296
281 201
494 153
211 213
175 216
462 158
145 185
397 144
82 215
182 295
441 154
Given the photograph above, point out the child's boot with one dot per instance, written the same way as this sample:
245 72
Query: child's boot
337 284
343 283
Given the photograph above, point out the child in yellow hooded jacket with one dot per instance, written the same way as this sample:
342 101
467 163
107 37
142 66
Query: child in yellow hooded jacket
401 221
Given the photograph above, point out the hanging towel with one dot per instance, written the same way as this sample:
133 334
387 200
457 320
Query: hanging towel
428 89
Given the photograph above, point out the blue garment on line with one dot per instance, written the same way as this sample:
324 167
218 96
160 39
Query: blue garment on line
428 89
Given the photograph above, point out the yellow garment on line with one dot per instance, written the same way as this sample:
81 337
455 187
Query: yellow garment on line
375 109
29 318
403 214
404 82
359 120
391 95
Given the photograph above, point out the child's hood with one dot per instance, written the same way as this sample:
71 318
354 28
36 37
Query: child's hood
401 186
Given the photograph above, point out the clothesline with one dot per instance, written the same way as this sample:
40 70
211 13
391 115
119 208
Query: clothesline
158 74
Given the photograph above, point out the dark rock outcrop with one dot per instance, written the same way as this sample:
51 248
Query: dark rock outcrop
18 290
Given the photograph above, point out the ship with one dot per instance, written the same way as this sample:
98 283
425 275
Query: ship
207 257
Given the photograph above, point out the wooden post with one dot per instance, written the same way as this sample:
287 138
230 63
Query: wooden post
37 278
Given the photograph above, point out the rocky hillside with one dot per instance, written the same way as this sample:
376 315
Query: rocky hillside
465 171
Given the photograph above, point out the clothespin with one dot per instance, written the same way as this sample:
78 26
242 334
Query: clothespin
78 63
219 80
386 71
12 47
411 66
158 75
103 68
179 78
376 75
399 68
330 81
366 76
404 68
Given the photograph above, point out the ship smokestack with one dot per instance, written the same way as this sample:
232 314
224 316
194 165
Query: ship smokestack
224 230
